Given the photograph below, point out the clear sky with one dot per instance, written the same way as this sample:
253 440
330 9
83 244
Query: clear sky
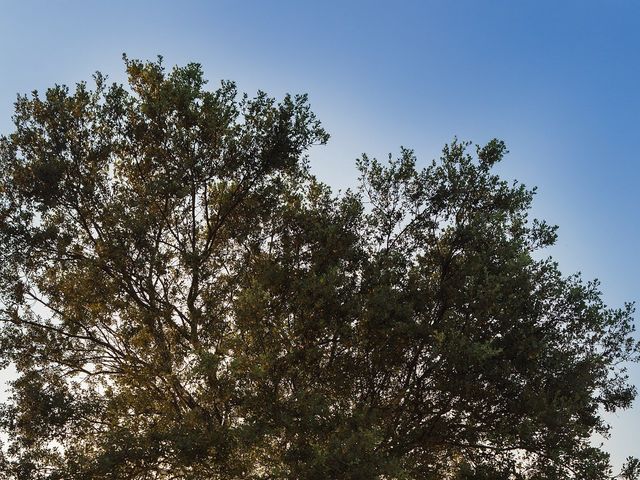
559 81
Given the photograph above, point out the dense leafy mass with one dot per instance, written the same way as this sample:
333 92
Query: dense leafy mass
182 299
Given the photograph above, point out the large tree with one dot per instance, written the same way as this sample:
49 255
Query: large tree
182 299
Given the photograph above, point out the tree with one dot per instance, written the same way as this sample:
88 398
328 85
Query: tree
183 299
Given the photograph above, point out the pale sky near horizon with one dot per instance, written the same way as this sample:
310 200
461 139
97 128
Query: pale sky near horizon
558 81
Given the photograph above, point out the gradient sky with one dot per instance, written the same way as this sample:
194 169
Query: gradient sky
557 80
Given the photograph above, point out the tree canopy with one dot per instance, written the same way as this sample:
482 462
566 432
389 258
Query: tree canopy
183 299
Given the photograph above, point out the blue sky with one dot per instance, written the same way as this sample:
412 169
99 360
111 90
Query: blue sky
558 81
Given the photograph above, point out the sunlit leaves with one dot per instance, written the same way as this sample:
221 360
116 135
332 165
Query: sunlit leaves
183 299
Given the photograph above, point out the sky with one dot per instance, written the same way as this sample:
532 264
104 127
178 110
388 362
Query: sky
557 81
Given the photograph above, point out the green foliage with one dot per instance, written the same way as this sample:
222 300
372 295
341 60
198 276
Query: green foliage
183 299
